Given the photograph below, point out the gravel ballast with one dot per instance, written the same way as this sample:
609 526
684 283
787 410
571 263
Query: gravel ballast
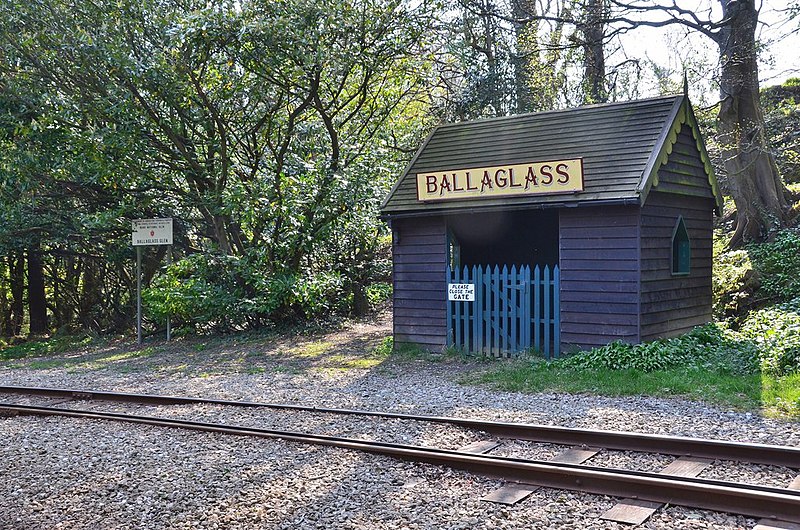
68 473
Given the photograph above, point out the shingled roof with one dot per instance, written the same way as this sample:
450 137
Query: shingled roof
622 146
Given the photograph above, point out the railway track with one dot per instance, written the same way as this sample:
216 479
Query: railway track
779 506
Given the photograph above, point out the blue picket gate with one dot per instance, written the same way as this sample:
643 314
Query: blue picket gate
514 310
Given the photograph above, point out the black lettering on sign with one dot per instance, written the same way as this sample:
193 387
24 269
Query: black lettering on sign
444 185
470 187
455 183
486 181
530 178
501 181
561 169
547 176
430 182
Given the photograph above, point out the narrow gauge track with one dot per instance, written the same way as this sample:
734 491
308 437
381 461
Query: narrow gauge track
626 441
757 501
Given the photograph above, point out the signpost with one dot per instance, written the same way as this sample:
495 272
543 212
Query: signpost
148 232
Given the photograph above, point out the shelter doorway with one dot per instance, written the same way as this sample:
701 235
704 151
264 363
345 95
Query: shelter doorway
508 261
527 237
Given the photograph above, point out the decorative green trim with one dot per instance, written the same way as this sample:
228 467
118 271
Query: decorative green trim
661 151
709 167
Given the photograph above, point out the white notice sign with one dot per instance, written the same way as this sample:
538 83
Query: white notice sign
152 231
461 292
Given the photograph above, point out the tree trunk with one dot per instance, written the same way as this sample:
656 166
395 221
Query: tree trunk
753 179
90 297
37 302
221 234
594 58
5 302
360 300
525 35
16 267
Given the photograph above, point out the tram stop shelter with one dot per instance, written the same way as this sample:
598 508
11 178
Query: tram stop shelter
555 231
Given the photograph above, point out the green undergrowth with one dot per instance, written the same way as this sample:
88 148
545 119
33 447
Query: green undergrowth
39 348
754 367
756 276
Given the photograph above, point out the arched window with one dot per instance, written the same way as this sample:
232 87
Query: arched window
681 249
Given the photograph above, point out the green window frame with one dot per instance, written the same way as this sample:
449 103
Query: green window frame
681 249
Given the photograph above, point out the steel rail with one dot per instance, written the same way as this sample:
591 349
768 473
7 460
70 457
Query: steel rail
750 500
649 443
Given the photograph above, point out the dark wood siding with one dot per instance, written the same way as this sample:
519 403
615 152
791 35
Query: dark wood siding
671 304
599 261
684 173
420 254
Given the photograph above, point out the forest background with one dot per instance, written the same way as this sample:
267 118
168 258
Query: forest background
270 131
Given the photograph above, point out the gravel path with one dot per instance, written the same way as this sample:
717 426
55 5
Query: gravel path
64 473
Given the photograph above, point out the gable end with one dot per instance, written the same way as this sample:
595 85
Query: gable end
683 126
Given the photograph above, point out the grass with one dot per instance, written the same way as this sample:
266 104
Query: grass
782 395
53 347
754 367
44 347
775 396
312 349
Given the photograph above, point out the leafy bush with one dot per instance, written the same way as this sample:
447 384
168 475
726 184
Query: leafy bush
768 341
776 332
778 265
709 347
378 292
385 348
207 291
732 283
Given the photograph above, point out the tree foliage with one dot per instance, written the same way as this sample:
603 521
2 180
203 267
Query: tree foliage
263 128
782 120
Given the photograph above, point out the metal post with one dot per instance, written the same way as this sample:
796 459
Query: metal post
169 262
138 295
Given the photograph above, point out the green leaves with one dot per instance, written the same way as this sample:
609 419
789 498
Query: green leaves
778 265
226 293
263 127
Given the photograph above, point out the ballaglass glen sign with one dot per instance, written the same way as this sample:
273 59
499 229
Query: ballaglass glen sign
534 178
152 231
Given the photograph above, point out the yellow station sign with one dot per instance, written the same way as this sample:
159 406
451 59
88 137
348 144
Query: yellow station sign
534 178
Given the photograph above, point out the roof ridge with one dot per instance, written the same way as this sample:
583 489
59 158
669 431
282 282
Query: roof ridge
477 121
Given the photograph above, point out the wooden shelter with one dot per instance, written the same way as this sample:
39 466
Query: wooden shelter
614 202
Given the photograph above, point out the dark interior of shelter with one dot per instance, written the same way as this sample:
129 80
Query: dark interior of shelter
527 237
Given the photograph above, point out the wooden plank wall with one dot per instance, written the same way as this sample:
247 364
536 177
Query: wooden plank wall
683 174
599 260
670 304
420 290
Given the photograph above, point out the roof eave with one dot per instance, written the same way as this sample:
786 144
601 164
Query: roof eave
662 148
408 167
621 201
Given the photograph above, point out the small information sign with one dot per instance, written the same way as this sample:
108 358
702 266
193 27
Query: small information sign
152 232
461 292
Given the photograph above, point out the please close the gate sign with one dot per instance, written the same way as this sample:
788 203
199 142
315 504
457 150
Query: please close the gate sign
461 292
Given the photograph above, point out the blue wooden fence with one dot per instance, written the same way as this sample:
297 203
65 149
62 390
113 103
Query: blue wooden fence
514 310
